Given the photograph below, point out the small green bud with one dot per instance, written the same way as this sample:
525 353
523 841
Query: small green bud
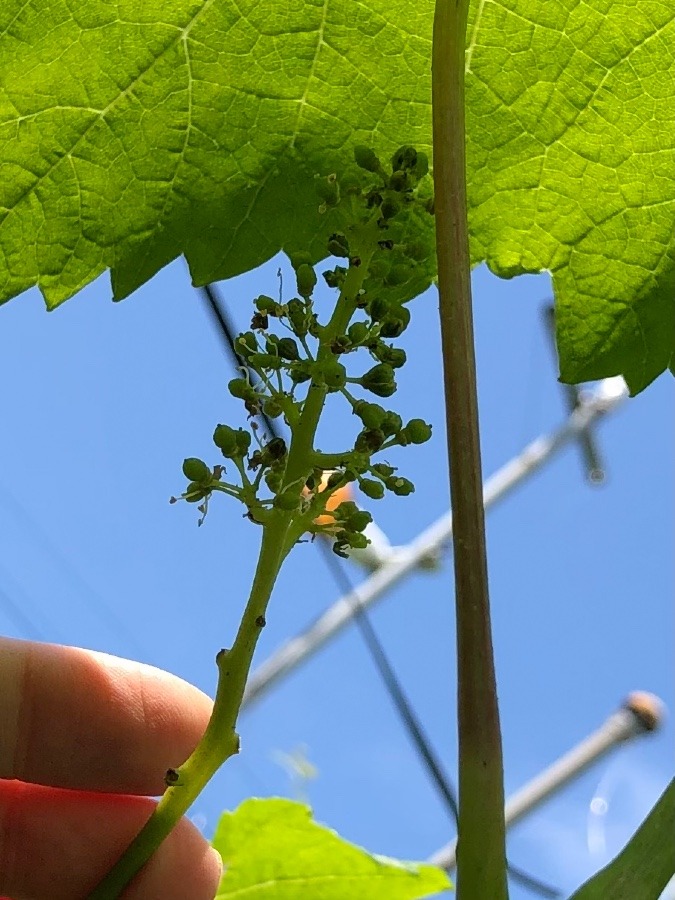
288 349
338 245
396 321
378 308
243 441
306 278
328 190
358 520
300 258
404 158
380 380
300 371
417 431
370 414
371 488
390 208
369 440
421 167
400 182
400 486
392 423
241 389
225 438
196 470
334 278
245 344
271 408
288 500
394 356
276 448
297 316
335 480
195 492
265 361
383 470
366 158
358 332
357 541
265 304
333 374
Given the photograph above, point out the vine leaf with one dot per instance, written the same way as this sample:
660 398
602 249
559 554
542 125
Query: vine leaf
129 137
646 864
272 849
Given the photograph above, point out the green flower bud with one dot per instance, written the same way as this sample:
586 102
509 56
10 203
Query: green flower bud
357 541
241 389
196 470
306 278
390 208
394 356
328 190
378 308
300 258
195 492
265 361
358 332
392 423
338 245
275 449
417 431
380 380
288 500
395 322
297 316
225 438
366 158
245 344
400 486
265 304
404 158
335 480
333 374
400 182
421 167
300 371
358 520
383 470
371 488
370 414
369 440
334 278
288 349
243 441
271 408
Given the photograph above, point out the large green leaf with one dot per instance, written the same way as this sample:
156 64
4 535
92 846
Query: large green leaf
131 133
645 865
272 850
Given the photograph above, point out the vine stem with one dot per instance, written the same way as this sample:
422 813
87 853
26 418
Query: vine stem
220 740
481 857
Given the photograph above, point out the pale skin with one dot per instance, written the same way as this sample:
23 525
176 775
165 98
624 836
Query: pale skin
85 740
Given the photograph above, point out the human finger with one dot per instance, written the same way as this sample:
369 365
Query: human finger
57 843
80 719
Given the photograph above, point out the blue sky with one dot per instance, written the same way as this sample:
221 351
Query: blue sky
103 401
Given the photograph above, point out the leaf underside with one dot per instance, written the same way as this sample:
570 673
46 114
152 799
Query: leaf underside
272 850
131 133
